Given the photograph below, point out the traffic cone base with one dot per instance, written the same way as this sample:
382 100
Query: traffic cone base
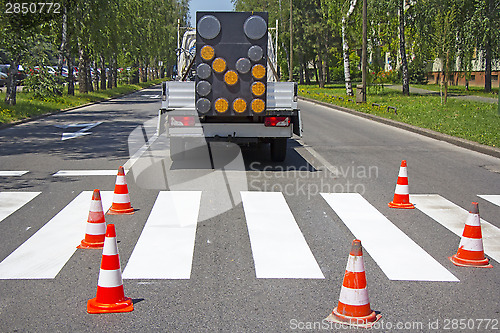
364 322
85 245
483 263
115 211
123 306
401 205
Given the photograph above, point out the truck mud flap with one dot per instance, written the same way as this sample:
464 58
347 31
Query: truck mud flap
297 124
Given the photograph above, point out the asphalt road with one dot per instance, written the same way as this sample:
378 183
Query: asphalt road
234 269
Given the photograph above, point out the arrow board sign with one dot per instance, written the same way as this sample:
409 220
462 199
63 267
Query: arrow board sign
81 132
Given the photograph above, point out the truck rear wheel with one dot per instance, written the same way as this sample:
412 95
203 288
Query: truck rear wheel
278 149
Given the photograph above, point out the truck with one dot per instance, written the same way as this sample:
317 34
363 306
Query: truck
227 86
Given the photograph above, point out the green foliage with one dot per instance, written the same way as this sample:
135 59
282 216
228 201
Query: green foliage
43 84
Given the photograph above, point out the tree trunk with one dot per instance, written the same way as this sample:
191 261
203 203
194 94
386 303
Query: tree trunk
71 79
110 74
487 70
306 73
321 71
345 50
316 76
10 97
103 73
96 76
301 73
402 49
115 71
82 72
62 48
90 87
445 77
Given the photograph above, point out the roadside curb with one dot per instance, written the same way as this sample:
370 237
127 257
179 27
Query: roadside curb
492 151
27 120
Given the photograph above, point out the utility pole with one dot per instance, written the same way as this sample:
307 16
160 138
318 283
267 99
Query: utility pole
364 53
290 70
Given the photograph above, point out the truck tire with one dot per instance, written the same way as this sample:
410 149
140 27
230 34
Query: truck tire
278 149
177 149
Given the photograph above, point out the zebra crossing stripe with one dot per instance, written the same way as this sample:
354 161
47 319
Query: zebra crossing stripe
494 199
453 218
45 253
166 245
399 257
12 201
278 246
82 173
12 173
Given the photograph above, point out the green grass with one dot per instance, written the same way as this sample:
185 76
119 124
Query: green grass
475 121
28 107
460 90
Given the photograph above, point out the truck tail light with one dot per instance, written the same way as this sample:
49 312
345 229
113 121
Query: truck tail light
277 122
178 121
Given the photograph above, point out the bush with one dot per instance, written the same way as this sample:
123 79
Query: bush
43 84
417 72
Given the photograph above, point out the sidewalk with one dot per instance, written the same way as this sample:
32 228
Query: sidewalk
419 91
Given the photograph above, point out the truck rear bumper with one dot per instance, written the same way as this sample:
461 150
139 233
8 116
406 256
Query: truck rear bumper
212 130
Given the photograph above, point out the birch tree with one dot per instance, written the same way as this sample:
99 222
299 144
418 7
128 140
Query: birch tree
345 48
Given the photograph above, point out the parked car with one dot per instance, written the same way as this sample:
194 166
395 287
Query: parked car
19 76
3 78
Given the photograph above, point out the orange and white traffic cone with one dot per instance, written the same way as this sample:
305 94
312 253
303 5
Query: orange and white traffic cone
470 251
354 308
96 225
402 192
110 294
121 199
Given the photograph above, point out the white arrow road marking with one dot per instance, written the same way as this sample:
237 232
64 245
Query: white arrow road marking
82 132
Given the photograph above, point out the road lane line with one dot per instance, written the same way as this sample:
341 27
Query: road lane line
12 201
81 173
278 246
494 199
12 173
166 245
45 253
399 257
453 218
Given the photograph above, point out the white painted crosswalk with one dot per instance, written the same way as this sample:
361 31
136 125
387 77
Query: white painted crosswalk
166 246
45 253
399 257
12 201
452 217
278 246
495 199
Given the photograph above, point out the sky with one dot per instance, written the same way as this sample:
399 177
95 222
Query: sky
207 5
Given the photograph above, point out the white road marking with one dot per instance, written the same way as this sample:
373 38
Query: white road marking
82 132
453 218
495 199
278 246
166 245
12 173
78 173
45 253
399 257
12 201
